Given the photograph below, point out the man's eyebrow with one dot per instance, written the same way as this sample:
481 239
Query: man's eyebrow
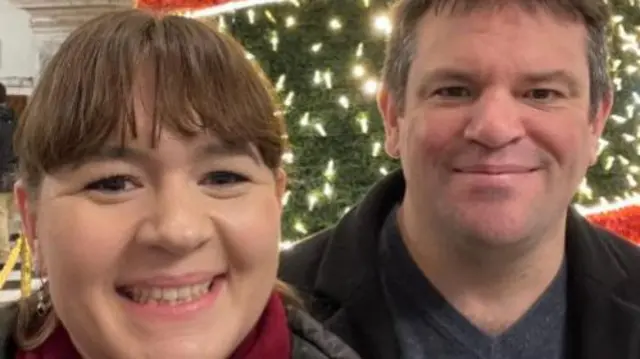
560 76
444 74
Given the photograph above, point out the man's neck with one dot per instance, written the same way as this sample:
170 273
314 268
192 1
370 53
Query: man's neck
492 288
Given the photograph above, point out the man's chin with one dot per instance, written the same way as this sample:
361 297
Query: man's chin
494 229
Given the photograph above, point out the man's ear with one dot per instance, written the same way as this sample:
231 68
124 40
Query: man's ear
389 112
598 123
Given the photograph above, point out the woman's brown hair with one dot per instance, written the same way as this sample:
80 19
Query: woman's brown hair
204 81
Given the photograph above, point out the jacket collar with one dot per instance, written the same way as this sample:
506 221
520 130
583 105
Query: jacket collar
604 282
352 256
362 226
310 339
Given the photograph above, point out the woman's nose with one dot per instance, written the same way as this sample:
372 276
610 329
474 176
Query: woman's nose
181 220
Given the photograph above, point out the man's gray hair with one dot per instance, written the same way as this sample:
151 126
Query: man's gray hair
405 15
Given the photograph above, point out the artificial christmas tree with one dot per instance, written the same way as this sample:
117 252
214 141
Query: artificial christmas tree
324 57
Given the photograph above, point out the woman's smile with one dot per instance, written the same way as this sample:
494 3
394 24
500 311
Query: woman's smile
172 298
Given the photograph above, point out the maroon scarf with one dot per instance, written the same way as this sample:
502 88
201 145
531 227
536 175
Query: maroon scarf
269 339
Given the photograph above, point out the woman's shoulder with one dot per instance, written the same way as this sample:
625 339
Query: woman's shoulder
312 341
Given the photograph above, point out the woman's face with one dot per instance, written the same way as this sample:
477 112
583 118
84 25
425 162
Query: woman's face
159 252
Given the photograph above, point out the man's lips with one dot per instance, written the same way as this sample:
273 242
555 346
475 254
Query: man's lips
487 169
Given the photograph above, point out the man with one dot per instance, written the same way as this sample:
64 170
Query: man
494 109
7 162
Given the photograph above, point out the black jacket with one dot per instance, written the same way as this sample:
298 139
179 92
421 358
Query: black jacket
312 341
309 339
337 269
7 157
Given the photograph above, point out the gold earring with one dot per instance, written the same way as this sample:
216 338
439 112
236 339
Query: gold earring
44 304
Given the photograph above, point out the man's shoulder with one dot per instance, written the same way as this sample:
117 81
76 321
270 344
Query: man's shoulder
603 260
299 264
624 252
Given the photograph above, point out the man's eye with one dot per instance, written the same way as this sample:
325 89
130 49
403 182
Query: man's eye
543 94
453 91
109 184
224 178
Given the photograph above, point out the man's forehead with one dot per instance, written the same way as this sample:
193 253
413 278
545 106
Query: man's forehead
481 19
532 44
460 8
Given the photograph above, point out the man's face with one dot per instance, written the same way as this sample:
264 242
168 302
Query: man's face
496 134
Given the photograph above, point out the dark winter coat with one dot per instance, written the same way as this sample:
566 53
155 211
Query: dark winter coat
7 156
337 270
309 339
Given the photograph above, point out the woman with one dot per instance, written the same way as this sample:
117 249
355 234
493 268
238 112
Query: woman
150 187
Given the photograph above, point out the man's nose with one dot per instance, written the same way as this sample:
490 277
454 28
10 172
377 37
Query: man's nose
181 221
495 120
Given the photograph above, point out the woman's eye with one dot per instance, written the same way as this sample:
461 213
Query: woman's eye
117 183
224 178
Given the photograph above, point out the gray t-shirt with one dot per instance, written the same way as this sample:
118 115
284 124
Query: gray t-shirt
430 328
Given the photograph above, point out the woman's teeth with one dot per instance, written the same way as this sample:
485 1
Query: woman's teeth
175 295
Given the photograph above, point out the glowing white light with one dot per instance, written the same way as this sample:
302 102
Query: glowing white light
287 245
382 24
232 6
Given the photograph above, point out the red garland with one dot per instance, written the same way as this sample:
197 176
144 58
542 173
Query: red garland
178 5
624 222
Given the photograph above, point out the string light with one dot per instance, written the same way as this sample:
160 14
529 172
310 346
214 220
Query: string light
323 187
233 6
